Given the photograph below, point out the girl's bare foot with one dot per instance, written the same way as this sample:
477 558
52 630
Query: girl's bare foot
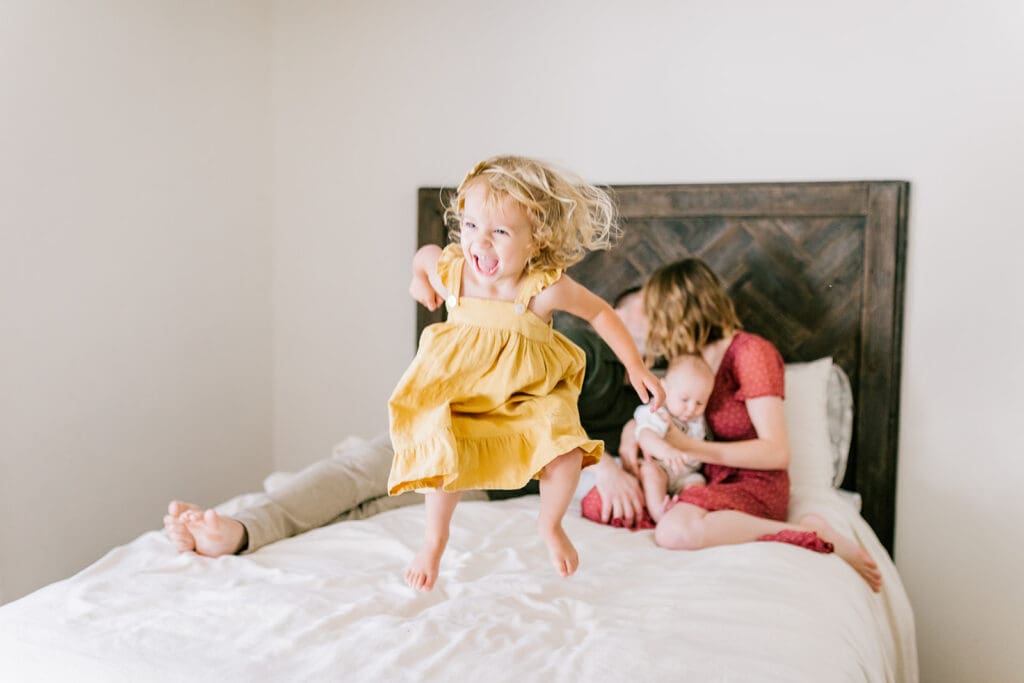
174 526
562 551
846 548
214 535
423 570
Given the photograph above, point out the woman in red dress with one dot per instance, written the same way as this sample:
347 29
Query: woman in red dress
747 494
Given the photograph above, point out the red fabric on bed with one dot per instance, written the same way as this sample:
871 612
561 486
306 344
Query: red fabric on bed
804 539
591 507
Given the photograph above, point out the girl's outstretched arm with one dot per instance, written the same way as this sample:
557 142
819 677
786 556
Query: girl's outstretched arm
426 285
572 297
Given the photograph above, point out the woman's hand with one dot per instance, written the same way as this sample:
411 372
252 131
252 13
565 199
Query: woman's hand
621 496
675 461
629 449
669 454
681 442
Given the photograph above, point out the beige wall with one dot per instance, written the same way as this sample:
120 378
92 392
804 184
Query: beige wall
172 175
135 322
372 101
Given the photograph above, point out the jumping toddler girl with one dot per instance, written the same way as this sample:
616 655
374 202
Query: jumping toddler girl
489 401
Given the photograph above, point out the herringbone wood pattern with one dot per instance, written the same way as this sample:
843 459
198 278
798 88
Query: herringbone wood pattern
817 268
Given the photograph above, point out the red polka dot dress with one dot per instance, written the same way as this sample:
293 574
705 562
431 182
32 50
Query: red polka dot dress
751 367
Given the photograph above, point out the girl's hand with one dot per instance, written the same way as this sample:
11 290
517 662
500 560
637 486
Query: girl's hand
424 292
643 380
629 449
621 496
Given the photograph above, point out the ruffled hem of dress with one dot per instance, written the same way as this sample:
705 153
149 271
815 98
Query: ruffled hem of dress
419 468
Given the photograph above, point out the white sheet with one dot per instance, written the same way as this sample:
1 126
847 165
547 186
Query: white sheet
332 605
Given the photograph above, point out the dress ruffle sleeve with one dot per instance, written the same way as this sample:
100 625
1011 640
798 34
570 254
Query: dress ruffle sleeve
537 281
449 267
759 369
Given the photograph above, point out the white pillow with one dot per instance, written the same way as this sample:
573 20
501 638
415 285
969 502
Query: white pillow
811 451
840 420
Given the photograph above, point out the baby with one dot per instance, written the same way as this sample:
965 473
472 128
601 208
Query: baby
665 470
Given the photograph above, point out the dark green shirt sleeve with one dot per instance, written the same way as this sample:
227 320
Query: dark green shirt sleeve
607 402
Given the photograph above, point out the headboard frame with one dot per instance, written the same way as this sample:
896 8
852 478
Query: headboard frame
817 268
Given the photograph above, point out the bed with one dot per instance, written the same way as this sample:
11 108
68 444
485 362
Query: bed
815 267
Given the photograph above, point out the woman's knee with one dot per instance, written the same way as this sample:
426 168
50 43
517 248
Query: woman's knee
680 533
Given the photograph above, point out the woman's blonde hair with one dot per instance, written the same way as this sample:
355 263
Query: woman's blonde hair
568 217
687 308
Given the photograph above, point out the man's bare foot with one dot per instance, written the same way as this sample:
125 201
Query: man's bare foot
174 526
848 549
562 551
423 570
214 535
654 481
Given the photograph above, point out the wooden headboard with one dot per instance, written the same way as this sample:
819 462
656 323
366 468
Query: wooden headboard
817 268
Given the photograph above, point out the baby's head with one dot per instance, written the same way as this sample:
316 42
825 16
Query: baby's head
688 383
564 216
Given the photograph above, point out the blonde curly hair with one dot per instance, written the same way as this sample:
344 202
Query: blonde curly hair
687 307
568 216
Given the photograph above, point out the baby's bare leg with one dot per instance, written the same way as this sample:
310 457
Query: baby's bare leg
423 570
557 485
654 481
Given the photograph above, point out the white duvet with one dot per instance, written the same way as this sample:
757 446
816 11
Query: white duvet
331 605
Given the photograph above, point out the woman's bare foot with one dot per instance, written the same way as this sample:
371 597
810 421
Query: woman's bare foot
562 551
423 570
214 535
174 526
654 481
846 548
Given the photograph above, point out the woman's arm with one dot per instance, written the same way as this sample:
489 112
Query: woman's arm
769 451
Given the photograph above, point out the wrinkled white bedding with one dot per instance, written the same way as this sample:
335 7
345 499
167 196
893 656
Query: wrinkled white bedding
332 605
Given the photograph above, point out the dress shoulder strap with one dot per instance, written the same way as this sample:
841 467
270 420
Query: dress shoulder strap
536 282
449 269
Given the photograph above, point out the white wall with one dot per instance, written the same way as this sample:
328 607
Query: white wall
373 100
207 211
135 322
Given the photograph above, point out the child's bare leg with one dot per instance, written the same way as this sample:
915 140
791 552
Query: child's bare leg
557 485
848 549
688 527
174 526
423 570
654 481
213 534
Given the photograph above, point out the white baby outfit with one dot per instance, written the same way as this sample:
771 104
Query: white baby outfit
658 423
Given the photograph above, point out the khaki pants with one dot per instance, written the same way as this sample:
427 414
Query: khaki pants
351 484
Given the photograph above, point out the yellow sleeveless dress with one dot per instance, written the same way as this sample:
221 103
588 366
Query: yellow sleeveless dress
490 397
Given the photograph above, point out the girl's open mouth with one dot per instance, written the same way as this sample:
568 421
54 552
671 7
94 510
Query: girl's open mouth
484 265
